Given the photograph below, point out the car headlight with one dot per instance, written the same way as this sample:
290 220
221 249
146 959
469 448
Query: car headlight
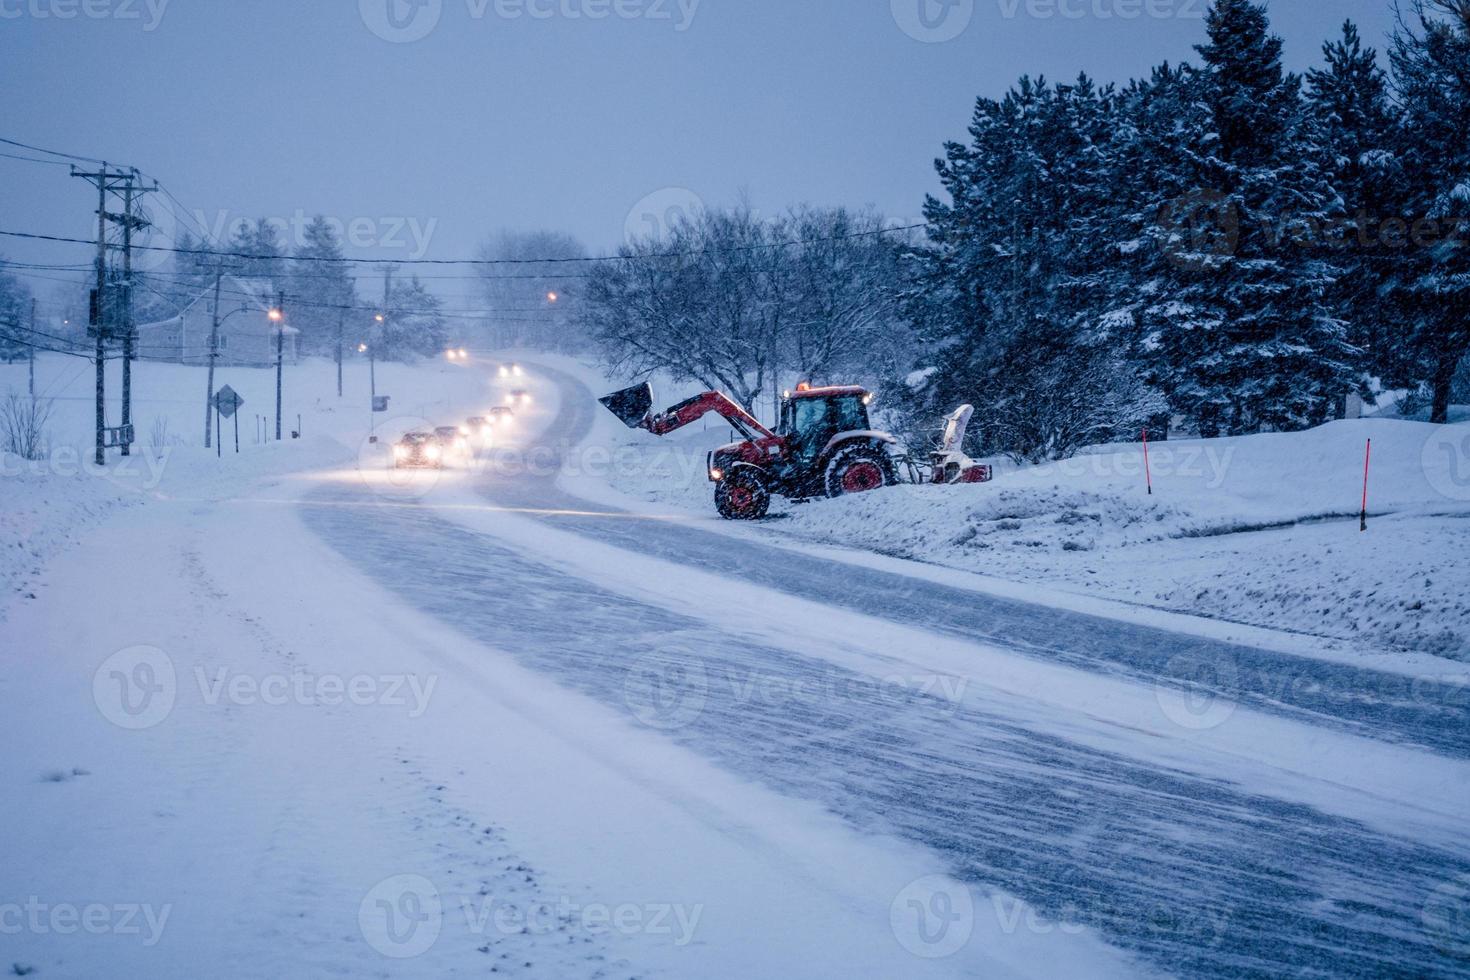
399 452
432 452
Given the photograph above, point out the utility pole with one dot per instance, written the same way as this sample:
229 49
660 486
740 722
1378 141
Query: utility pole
341 322
280 318
213 353
105 179
130 223
31 377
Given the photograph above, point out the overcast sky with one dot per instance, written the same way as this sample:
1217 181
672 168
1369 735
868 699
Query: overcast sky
422 125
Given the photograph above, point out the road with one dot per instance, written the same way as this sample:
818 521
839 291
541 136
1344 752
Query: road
1194 873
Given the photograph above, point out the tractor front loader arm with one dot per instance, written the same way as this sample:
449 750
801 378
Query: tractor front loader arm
693 409
633 407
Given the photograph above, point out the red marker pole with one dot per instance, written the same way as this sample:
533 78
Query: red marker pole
1148 473
1367 459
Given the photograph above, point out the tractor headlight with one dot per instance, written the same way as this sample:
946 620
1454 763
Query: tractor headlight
716 475
432 452
399 452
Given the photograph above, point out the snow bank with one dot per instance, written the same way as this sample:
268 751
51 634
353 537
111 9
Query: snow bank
1258 529
48 505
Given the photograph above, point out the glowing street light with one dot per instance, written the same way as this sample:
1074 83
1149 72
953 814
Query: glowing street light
552 297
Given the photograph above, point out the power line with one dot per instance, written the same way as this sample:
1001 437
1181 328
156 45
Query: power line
54 153
49 163
488 262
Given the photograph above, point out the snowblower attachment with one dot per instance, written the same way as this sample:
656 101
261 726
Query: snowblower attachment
948 462
631 405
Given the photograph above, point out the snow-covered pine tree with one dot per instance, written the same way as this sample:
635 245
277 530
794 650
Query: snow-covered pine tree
1237 329
15 337
1015 286
321 290
414 326
1350 101
262 250
1431 277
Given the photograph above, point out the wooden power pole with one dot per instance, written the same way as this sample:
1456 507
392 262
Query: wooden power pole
213 354
105 180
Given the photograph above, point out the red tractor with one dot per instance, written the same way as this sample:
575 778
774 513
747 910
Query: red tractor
824 446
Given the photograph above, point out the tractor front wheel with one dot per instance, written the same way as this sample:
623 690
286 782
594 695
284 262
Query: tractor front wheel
742 496
858 469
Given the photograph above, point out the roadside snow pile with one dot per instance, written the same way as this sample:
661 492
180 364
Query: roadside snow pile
47 505
43 513
1257 529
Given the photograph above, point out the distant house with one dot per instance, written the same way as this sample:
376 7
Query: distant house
247 335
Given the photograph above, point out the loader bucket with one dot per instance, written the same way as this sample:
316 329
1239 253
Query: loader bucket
631 405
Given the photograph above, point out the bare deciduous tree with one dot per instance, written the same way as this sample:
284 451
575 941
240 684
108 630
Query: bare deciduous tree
739 304
533 303
23 425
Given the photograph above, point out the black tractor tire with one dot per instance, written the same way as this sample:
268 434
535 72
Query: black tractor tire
743 496
858 468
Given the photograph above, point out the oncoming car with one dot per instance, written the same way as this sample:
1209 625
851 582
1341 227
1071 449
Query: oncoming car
518 397
502 413
511 371
418 450
452 439
479 428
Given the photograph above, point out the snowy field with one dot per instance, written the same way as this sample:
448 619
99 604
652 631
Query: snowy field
1259 530
289 713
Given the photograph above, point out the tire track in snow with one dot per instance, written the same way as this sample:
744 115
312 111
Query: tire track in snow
1418 711
1197 875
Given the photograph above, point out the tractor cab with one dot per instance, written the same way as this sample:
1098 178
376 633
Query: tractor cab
811 417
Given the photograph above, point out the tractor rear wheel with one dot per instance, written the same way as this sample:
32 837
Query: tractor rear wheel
858 469
742 496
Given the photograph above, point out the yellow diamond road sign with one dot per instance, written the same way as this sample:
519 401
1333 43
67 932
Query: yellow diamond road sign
228 401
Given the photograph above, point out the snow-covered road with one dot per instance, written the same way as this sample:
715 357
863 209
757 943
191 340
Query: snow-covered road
1199 872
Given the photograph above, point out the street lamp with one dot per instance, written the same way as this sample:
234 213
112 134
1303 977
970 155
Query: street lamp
552 297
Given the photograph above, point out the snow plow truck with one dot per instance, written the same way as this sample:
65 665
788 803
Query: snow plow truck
823 446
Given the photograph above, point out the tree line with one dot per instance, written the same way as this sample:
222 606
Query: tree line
322 295
1224 244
